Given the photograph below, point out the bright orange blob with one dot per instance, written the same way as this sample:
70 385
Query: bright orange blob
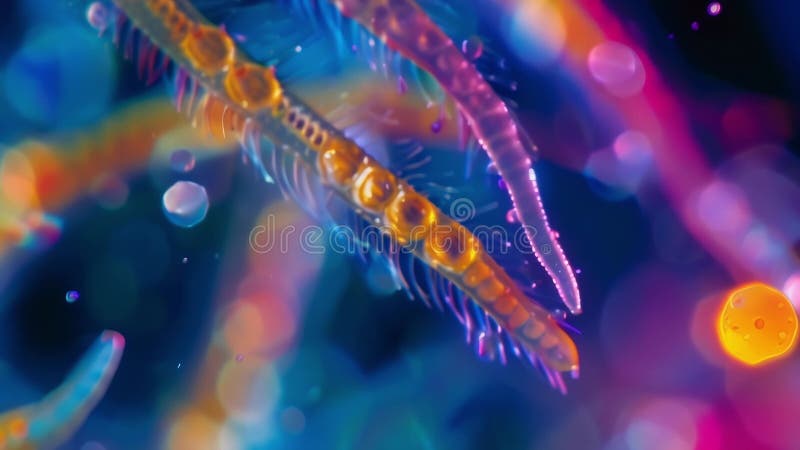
192 430
18 428
757 323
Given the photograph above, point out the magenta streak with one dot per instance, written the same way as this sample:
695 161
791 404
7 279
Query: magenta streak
193 96
181 87
482 344
152 74
408 30
683 169
144 50
501 347
469 326
119 24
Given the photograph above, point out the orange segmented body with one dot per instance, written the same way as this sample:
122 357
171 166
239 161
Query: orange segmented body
340 161
176 21
178 25
374 188
253 87
451 246
410 216
255 100
161 8
209 49
309 130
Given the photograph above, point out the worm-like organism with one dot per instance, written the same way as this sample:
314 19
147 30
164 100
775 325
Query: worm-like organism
236 95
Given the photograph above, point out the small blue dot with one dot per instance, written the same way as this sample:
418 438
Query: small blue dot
72 296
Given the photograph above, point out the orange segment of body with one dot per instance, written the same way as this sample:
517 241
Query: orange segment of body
209 49
375 188
757 323
410 215
253 87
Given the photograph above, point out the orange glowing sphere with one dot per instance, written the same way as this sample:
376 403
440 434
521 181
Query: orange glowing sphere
756 324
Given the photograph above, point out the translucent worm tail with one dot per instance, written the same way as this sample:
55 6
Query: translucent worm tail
405 27
51 421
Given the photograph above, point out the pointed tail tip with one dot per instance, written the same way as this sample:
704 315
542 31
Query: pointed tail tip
116 338
572 300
